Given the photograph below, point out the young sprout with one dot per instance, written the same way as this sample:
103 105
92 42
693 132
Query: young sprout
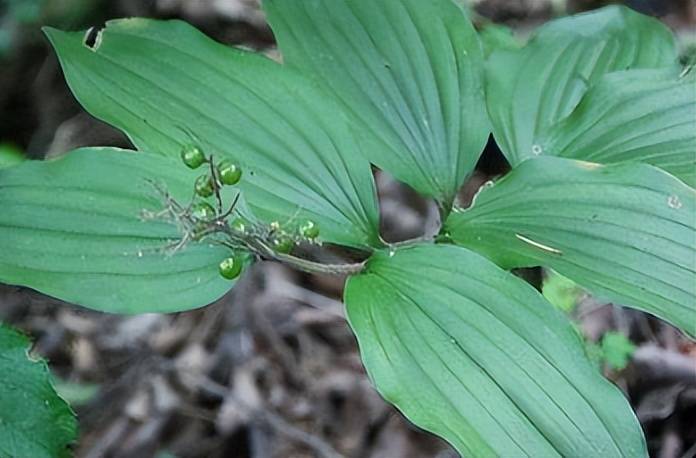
192 156
204 186
230 268
203 211
229 173
309 230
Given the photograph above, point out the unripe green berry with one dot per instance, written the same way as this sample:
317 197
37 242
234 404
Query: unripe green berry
238 225
230 268
309 230
229 173
204 186
203 211
283 245
192 156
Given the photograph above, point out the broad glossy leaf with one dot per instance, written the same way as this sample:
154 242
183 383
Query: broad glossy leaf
73 228
34 421
529 89
624 231
157 79
477 356
637 116
408 71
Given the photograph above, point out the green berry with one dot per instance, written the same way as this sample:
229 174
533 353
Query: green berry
238 225
203 211
283 245
230 268
229 173
309 230
192 156
204 186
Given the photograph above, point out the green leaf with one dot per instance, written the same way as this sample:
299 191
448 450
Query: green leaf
470 352
496 37
156 80
10 155
624 231
594 354
34 421
73 228
409 72
636 115
617 350
534 87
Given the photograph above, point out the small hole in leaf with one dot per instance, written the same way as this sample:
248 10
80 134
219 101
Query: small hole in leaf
93 37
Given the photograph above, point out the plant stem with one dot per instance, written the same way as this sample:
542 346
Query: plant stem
260 248
317 267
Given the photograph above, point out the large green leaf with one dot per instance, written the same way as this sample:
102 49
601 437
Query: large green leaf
477 356
34 421
73 228
529 89
409 72
623 231
636 115
155 79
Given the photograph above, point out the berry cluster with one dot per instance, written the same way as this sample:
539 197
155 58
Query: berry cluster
284 241
252 237
225 173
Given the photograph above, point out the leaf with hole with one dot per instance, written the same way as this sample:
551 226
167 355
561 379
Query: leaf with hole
477 356
626 232
167 85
